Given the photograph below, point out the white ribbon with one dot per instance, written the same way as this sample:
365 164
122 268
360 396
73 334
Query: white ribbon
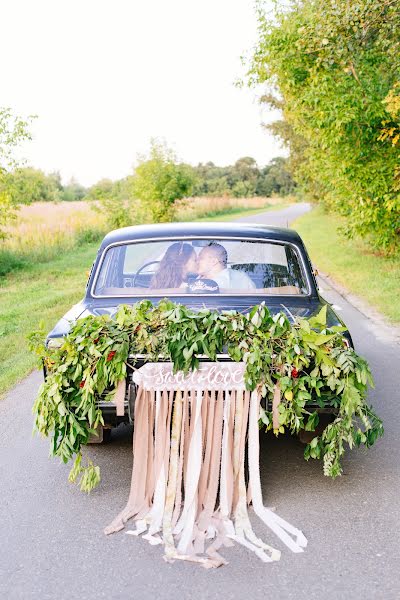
278 525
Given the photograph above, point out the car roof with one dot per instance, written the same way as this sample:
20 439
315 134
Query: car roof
215 230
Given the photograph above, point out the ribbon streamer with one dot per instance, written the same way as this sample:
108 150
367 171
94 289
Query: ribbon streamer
188 486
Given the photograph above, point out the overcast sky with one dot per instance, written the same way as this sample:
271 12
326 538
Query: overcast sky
105 76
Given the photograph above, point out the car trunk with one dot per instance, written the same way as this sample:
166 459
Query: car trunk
306 308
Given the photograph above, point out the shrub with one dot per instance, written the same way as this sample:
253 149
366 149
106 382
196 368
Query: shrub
159 181
9 262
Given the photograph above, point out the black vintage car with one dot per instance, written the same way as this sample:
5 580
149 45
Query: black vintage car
217 265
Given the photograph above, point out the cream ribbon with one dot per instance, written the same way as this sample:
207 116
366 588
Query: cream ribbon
179 469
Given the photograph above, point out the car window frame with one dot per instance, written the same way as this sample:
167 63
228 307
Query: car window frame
296 248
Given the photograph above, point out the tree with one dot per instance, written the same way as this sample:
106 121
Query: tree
73 190
112 199
158 181
211 180
101 190
244 175
13 131
275 178
334 66
29 185
243 179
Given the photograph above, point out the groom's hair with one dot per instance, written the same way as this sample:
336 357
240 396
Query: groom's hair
219 252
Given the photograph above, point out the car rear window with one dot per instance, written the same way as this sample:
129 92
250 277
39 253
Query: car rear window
200 266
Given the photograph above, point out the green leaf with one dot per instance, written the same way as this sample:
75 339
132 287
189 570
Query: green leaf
320 318
312 422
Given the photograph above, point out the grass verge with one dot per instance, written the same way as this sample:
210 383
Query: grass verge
43 292
351 262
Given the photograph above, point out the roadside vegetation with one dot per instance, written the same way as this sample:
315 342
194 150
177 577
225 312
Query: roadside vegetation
352 263
332 68
43 293
26 185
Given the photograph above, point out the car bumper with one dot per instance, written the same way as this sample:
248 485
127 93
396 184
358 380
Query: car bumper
109 408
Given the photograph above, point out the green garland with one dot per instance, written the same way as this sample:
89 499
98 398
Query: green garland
309 361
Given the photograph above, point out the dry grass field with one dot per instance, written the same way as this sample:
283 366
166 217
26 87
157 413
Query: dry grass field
198 208
47 225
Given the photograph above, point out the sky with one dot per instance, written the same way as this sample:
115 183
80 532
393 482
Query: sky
104 77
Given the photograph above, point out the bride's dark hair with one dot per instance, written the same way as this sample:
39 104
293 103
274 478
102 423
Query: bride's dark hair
171 268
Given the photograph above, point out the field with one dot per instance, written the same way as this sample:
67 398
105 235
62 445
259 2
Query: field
45 224
206 208
43 229
55 266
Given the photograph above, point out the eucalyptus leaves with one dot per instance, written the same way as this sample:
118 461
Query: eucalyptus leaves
306 361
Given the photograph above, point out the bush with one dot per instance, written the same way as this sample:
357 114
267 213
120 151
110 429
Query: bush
159 181
9 262
88 235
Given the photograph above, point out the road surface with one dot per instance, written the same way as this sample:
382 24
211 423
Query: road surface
53 545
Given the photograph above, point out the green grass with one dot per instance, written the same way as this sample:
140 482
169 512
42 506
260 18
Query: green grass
352 263
44 291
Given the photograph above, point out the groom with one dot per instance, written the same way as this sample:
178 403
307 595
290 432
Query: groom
212 264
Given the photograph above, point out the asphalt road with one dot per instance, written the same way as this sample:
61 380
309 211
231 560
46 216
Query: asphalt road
52 545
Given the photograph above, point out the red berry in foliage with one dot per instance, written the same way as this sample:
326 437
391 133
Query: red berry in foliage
295 373
82 383
111 355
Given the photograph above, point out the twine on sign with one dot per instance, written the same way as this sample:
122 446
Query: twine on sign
188 487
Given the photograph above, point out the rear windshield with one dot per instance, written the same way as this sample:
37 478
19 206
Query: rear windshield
200 266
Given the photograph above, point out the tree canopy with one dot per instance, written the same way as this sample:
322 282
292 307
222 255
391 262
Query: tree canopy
244 179
333 68
159 180
27 185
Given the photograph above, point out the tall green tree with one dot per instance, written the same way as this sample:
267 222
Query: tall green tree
158 181
334 66
275 178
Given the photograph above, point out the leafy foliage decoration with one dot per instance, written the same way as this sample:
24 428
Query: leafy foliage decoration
308 360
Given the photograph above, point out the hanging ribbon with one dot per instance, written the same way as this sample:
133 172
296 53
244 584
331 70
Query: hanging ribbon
188 487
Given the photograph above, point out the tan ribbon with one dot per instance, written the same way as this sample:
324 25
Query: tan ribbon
180 471
119 398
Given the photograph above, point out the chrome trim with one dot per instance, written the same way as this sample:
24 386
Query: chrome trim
101 403
202 237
